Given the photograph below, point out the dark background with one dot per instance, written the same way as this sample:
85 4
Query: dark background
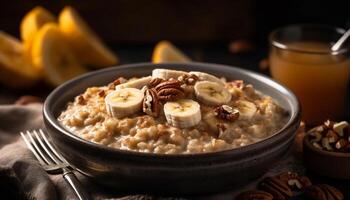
203 29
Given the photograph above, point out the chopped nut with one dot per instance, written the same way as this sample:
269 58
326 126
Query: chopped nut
188 79
226 112
332 136
339 127
341 144
326 145
329 124
102 93
81 100
116 82
238 84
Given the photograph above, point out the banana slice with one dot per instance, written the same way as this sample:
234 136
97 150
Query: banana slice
87 46
51 52
124 102
167 73
211 93
16 69
138 83
183 113
246 109
207 77
32 22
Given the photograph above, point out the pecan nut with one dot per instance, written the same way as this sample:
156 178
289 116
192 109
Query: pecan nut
254 195
323 192
154 82
331 136
116 82
294 181
170 91
279 189
226 112
188 79
150 103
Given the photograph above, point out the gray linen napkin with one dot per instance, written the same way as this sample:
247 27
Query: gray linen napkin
22 171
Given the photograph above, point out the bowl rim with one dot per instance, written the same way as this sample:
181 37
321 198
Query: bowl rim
294 117
308 145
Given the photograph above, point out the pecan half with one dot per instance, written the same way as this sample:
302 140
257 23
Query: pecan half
116 82
102 93
188 79
150 103
154 82
294 181
226 112
254 195
81 100
279 189
323 192
170 91
238 84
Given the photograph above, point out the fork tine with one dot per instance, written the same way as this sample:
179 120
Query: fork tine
48 152
31 148
37 148
50 146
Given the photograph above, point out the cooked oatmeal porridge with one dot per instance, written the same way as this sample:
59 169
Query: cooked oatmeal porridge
174 112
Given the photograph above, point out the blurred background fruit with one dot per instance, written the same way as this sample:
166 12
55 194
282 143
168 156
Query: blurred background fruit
32 22
16 69
87 46
164 51
51 52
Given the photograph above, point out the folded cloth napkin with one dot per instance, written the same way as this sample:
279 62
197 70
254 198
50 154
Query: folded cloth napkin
22 177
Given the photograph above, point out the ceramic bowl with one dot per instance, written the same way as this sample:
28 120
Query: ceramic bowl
174 174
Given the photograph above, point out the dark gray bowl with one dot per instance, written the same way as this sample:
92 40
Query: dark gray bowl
176 174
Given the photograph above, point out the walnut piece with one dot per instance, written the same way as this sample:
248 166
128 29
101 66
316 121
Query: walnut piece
227 113
331 136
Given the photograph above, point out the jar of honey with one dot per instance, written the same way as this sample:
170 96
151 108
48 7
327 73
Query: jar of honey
301 59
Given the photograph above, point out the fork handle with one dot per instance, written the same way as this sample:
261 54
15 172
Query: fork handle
70 177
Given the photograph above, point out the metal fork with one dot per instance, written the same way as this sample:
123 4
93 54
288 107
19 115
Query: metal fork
51 160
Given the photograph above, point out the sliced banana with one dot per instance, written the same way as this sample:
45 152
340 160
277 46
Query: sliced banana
207 77
183 113
167 73
124 102
50 52
246 109
86 45
16 69
211 93
138 83
32 22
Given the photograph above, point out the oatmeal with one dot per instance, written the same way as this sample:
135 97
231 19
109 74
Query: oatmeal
174 112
